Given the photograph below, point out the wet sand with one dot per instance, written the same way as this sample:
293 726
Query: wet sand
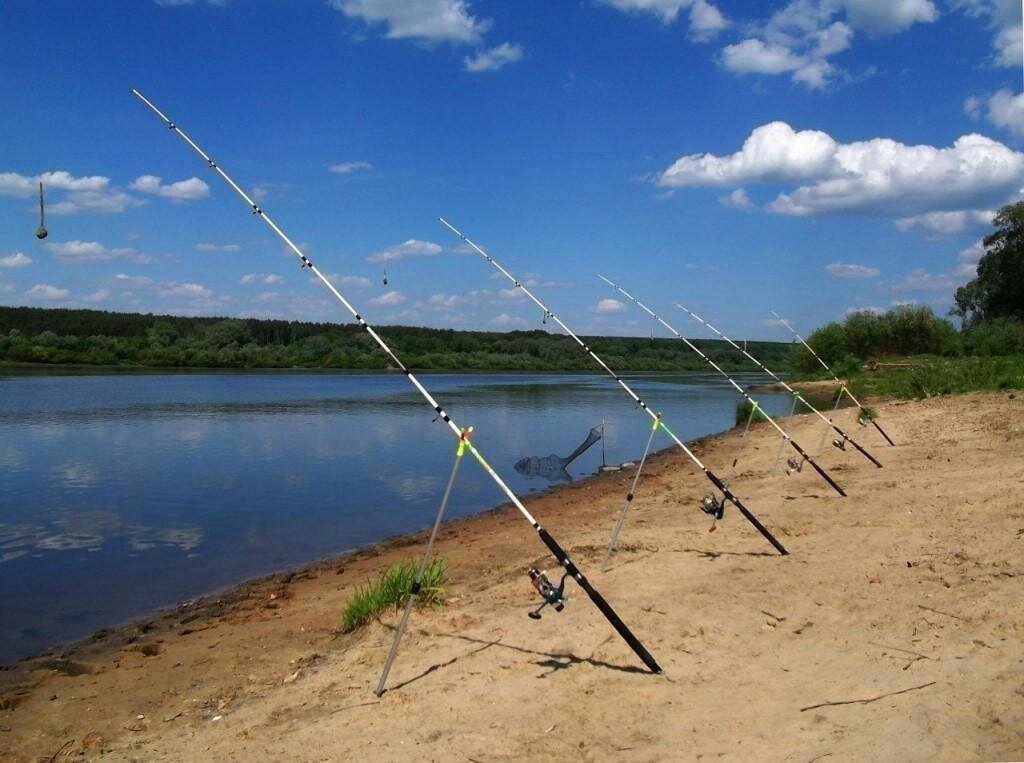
893 630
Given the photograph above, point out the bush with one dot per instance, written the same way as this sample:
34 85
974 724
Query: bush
998 336
391 588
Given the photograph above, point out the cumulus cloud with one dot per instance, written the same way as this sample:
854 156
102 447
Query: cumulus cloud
346 168
949 223
799 38
45 291
608 305
410 248
91 251
182 190
15 260
389 298
97 296
1004 16
1006 110
851 270
427 20
494 58
355 282
705 19
877 177
91 193
738 199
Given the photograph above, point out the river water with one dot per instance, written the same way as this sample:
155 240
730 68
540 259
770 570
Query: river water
124 493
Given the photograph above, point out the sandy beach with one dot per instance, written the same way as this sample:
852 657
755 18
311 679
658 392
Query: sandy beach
892 631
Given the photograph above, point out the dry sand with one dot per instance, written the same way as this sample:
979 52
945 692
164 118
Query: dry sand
893 631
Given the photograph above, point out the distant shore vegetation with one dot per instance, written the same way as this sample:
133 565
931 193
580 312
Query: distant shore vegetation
99 338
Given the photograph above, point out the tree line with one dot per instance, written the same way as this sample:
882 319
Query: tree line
100 338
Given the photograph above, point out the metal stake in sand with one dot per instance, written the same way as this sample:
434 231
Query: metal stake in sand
797 397
746 396
843 389
708 507
414 592
559 553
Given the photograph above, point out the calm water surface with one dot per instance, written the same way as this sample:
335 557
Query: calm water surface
120 494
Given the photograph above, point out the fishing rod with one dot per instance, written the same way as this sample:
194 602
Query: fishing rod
842 385
710 504
797 397
746 396
571 570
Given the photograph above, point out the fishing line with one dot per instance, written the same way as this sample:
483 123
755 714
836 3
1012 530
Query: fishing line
715 480
559 553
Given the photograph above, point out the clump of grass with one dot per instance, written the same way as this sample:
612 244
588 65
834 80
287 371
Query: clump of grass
743 409
391 588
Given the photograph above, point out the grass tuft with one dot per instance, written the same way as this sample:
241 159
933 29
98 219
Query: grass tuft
391 588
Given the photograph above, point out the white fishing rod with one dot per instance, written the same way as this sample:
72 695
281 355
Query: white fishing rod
842 385
796 395
710 505
746 396
551 595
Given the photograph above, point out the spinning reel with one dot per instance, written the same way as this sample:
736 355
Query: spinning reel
841 444
712 505
795 465
552 594
862 420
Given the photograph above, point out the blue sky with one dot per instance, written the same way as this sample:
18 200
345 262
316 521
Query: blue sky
811 157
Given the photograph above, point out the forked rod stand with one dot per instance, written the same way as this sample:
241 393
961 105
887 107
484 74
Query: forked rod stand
417 583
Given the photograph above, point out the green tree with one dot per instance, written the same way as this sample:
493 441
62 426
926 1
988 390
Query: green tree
998 289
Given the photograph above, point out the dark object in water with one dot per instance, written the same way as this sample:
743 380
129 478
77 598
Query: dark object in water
552 468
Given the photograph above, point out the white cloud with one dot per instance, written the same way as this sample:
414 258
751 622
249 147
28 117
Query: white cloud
799 38
921 280
91 251
251 278
46 292
879 17
504 319
409 248
348 167
851 270
878 177
705 19
873 309
205 246
182 190
1006 110
97 296
15 260
949 223
972 106
738 199
608 306
355 282
494 58
445 301
429 20
1005 17
389 298
92 193
183 290
13 184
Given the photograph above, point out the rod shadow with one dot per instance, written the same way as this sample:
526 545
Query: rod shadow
555 662
713 555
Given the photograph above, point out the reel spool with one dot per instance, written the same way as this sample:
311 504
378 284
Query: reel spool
552 594
862 420
795 465
712 505
841 444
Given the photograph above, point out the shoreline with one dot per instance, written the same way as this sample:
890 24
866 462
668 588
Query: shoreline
914 602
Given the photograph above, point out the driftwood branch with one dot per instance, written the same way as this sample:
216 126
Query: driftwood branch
866 701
